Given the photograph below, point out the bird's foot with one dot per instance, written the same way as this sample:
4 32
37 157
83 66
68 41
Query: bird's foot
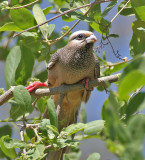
86 83
36 85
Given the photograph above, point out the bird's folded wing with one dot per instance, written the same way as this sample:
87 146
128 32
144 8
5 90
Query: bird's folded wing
54 59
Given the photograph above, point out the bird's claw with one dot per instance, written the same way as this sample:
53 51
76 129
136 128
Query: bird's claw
86 83
35 85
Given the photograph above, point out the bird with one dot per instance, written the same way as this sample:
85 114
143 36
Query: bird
73 63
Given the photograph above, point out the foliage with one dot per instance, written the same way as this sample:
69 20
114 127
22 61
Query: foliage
123 123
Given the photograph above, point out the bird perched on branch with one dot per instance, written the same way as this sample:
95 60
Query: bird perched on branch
71 64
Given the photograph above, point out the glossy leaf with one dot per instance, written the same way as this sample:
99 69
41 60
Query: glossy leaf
42 104
10 152
136 126
23 18
47 10
52 112
43 126
136 104
10 27
24 70
108 8
94 127
23 98
137 64
76 15
5 130
94 156
137 42
12 63
73 128
130 83
127 11
139 7
40 18
16 111
83 115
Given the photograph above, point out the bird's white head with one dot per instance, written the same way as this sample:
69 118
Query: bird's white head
82 36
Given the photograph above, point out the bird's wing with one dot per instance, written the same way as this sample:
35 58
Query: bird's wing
97 67
54 59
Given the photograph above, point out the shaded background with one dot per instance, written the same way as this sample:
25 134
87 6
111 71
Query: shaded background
121 26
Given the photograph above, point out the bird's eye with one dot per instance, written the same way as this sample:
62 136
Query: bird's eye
80 36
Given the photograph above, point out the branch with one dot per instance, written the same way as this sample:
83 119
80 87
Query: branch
24 5
63 89
68 11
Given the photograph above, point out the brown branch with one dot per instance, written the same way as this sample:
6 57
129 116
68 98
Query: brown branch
66 12
63 88
25 5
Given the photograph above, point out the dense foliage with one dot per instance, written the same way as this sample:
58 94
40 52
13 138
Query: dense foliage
123 124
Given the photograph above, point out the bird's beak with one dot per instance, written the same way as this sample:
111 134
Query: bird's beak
91 39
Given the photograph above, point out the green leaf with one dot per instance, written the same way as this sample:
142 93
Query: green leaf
14 143
23 18
23 98
10 26
115 68
108 8
132 77
83 115
75 15
52 112
43 126
16 111
32 43
47 10
42 104
131 82
24 70
53 129
122 132
43 75
9 152
94 127
39 152
5 130
94 156
40 18
12 62
127 11
137 42
36 153
139 7
73 128
136 126
136 104
72 156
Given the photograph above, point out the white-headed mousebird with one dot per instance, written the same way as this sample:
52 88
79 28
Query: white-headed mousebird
71 64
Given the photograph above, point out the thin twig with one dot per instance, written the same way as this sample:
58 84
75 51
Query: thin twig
115 64
133 94
68 11
62 89
26 5
36 133
117 55
22 138
119 11
59 104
